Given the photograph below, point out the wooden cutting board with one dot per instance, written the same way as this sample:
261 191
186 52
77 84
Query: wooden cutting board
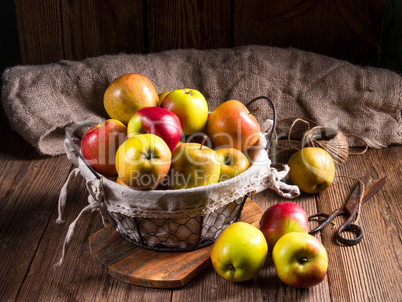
138 266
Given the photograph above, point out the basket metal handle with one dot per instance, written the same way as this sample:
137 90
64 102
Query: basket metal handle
274 118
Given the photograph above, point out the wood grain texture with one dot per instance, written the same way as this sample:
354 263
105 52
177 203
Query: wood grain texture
142 267
50 31
348 30
188 24
31 241
28 193
54 30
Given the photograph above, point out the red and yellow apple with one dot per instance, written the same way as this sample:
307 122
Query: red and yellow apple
239 252
193 165
127 94
280 219
233 162
143 161
100 143
312 169
158 121
300 260
162 96
191 108
232 125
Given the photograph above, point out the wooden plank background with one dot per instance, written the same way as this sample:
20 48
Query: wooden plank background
51 30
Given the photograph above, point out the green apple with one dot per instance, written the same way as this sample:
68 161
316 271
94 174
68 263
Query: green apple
143 161
191 108
300 260
312 169
193 165
239 252
233 162
232 125
127 94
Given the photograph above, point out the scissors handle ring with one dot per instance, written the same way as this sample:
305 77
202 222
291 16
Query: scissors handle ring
349 227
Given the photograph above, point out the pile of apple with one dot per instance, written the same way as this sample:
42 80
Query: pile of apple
300 260
168 141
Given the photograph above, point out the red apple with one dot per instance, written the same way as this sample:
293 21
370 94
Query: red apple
300 260
232 125
158 121
280 219
127 94
100 143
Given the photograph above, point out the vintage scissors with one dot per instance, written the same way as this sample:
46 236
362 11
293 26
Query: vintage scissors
350 208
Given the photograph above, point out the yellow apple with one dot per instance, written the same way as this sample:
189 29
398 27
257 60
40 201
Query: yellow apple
312 169
191 108
193 165
233 162
162 96
143 161
239 252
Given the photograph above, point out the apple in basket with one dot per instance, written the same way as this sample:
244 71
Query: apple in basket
158 121
239 252
232 125
280 219
193 165
312 169
162 96
143 161
300 260
233 162
127 94
100 143
191 108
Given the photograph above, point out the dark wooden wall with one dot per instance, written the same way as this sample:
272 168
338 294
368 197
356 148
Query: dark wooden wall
51 30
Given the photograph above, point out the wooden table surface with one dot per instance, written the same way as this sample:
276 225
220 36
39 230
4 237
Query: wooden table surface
31 240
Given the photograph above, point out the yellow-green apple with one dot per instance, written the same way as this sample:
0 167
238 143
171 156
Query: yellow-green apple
162 96
100 143
158 121
143 161
280 219
239 252
232 125
127 94
233 162
312 169
300 260
191 108
193 165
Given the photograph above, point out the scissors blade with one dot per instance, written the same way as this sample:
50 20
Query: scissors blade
353 201
369 192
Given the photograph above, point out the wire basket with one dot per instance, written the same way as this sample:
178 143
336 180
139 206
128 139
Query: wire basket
182 232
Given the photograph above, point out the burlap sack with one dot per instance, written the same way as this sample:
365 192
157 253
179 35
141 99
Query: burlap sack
41 100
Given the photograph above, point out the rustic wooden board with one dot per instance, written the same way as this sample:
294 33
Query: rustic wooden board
143 267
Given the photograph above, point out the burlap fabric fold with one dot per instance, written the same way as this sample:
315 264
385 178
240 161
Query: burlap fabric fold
41 100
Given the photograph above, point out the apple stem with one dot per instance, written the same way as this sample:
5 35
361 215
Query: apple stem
254 110
204 139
